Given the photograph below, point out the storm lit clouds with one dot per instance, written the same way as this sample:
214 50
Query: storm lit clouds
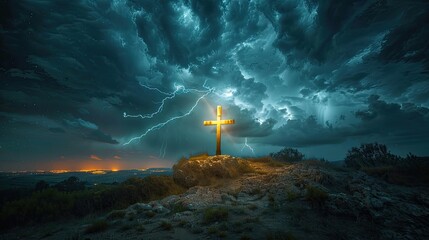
292 73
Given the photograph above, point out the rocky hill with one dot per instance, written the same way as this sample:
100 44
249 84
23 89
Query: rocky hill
234 198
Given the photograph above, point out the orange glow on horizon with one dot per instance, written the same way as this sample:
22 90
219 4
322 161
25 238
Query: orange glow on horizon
64 165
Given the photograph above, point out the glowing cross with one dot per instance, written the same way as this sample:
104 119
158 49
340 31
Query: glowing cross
218 124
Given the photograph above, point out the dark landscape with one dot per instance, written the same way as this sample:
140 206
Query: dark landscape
374 195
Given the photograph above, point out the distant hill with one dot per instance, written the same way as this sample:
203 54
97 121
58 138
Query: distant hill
29 179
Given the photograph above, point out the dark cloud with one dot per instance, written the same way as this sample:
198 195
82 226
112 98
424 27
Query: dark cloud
247 125
99 136
296 73
57 130
307 132
401 122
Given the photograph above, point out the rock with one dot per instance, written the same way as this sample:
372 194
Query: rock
141 206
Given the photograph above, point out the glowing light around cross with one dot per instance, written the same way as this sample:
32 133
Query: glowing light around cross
178 90
247 146
219 122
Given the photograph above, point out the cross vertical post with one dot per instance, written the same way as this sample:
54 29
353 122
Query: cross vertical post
219 122
218 132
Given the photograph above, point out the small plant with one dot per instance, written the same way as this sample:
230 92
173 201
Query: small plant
126 227
221 234
150 214
215 214
182 223
280 235
97 226
117 214
212 230
166 225
251 219
291 196
131 216
140 228
245 237
252 207
316 196
179 207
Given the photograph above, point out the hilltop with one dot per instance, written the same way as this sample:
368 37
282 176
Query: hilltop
235 198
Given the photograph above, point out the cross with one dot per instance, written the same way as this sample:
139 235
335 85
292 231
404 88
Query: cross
218 124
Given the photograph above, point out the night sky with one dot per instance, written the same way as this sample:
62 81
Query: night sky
321 76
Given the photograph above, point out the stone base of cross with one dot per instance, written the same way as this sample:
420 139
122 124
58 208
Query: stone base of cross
218 124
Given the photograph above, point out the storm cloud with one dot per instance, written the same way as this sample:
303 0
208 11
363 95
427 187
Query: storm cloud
291 73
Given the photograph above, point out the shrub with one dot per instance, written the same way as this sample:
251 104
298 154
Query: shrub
71 184
166 225
118 214
150 214
291 195
370 155
41 185
179 207
97 226
316 196
280 235
140 228
215 214
288 155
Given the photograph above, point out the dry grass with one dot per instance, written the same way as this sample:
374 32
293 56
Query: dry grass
215 214
97 226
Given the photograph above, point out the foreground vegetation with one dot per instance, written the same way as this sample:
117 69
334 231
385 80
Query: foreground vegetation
376 160
71 200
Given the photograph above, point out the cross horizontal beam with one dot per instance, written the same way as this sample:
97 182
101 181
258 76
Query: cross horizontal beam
222 122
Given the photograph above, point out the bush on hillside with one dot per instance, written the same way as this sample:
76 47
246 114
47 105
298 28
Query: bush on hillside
288 155
370 155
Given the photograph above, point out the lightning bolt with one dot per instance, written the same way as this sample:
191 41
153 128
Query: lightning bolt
163 148
247 146
178 90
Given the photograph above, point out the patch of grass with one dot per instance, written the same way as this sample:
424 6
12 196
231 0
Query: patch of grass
280 235
255 191
97 226
126 227
150 214
251 219
239 210
215 214
196 229
131 216
272 201
179 207
252 207
221 234
140 228
166 225
316 196
291 196
182 223
212 230
245 237
117 214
